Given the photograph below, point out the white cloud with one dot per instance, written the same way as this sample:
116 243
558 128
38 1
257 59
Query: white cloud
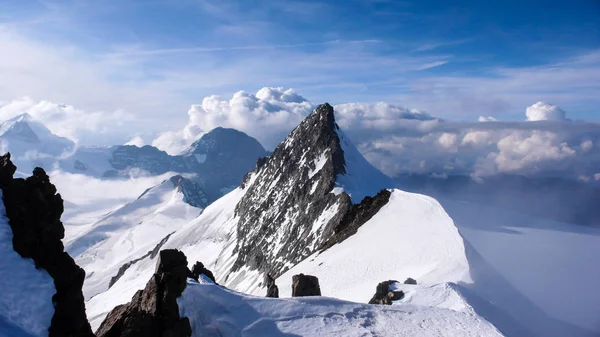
597 176
269 115
486 119
137 141
542 111
400 140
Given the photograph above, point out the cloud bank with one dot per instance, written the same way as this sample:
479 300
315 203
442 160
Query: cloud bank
398 140
269 115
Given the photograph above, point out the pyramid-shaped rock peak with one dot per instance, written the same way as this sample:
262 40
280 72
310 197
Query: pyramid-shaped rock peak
293 201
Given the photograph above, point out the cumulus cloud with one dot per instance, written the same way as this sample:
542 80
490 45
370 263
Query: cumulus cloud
66 120
137 141
401 140
487 119
269 115
542 111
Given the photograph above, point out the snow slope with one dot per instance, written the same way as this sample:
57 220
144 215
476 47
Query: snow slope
216 311
206 238
128 233
26 307
411 236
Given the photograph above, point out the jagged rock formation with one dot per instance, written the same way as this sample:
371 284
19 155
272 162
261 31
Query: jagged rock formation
199 268
153 312
294 203
384 295
410 280
34 208
305 285
272 289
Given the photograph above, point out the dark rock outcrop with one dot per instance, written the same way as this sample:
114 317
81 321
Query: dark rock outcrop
34 209
305 285
193 194
153 312
383 294
272 289
289 185
357 216
199 268
410 280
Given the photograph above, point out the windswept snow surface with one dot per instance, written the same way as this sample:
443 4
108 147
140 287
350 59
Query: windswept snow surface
411 236
128 233
217 311
26 298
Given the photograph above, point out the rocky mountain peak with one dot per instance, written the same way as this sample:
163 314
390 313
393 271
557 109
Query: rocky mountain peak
296 198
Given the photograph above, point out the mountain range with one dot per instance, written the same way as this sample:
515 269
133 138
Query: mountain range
313 206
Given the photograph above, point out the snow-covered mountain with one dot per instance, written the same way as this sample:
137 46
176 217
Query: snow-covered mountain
313 193
32 143
316 206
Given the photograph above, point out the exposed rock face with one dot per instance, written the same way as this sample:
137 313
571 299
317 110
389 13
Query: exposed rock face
383 294
410 280
272 289
153 312
293 204
305 285
199 268
34 208
292 189
357 216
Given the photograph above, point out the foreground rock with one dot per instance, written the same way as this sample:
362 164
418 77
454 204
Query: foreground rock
384 295
34 209
272 289
305 285
410 280
198 269
153 312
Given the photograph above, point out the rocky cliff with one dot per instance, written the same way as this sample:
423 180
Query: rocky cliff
34 209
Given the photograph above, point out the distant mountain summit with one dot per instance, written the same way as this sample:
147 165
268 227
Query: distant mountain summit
32 143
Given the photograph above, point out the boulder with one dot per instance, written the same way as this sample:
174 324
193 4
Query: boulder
153 311
272 289
305 285
384 295
33 209
198 269
410 281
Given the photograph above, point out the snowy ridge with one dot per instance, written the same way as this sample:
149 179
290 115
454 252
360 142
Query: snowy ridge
216 311
411 236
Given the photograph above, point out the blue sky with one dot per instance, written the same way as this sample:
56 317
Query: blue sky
456 60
